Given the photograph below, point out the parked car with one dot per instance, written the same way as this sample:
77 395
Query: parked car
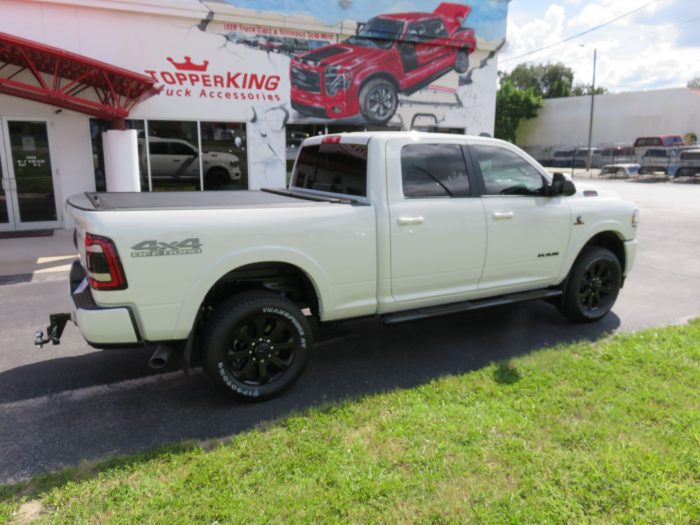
623 171
617 155
642 144
563 158
389 224
292 46
581 158
689 163
659 160
273 43
390 54
175 160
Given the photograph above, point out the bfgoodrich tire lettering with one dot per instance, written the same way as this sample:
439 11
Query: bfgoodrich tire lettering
256 345
592 286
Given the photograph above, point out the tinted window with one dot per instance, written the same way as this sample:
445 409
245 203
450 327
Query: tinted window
434 170
647 141
435 28
506 173
158 148
177 148
335 168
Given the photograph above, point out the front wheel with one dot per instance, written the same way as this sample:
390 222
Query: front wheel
593 285
257 345
378 101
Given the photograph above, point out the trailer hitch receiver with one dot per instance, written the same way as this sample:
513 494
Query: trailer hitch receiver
57 322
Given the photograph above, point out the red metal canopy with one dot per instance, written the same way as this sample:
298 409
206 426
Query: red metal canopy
67 80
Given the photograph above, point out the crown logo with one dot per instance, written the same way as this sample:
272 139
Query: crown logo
188 65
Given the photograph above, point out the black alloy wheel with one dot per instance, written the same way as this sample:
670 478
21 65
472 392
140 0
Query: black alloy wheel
592 286
256 345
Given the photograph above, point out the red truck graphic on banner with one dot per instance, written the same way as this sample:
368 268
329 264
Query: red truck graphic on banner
390 54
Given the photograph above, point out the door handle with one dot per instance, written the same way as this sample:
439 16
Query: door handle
410 220
502 215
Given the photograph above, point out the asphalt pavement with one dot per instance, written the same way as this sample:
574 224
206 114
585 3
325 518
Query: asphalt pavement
61 405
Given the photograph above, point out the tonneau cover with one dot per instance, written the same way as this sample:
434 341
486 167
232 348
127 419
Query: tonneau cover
190 200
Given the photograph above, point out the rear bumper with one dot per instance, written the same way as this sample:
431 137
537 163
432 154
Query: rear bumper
100 326
630 254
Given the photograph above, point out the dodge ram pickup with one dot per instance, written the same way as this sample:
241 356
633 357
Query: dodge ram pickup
402 225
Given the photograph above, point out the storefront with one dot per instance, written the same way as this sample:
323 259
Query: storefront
241 84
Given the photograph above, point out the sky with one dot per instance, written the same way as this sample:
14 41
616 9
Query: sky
657 47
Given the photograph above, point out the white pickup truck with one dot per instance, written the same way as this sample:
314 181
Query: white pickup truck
398 225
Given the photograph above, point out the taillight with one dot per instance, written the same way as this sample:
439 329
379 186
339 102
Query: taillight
104 268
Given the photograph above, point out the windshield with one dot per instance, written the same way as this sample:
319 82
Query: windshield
378 32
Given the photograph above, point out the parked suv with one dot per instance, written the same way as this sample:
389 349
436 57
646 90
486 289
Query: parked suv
390 54
175 160
662 160
689 163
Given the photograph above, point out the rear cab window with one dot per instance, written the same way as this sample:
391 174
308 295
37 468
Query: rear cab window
335 168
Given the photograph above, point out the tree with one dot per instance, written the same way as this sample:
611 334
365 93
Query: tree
585 89
547 80
694 83
514 105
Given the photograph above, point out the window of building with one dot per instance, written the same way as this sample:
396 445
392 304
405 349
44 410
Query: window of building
506 173
174 155
224 156
97 127
434 170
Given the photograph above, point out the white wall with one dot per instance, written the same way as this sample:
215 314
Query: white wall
619 118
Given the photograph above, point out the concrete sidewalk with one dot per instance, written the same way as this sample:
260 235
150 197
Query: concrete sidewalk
36 258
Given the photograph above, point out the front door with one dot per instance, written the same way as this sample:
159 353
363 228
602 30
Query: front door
528 232
27 197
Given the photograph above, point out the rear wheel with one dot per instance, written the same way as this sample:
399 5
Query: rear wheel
462 62
593 285
257 345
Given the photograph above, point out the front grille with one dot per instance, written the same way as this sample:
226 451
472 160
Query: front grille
306 80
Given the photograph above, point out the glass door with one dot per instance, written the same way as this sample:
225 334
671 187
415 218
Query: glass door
6 222
28 185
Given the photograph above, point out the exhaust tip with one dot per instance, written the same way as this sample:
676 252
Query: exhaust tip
161 357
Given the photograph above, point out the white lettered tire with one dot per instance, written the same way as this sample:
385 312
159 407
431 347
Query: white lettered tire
256 345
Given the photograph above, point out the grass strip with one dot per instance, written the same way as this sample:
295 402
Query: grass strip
605 432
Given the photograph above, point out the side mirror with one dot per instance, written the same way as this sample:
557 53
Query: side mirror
561 186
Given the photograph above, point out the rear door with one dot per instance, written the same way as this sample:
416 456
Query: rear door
437 225
528 232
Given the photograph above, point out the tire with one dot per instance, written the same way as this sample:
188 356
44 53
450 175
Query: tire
593 285
462 62
256 345
216 179
378 101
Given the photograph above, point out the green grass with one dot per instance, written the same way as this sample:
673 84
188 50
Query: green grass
586 433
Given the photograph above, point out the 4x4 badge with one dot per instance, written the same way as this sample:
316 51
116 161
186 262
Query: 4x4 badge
154 248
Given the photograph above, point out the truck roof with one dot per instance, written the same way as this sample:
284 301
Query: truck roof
363 137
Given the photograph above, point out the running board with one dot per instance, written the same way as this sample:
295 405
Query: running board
454 308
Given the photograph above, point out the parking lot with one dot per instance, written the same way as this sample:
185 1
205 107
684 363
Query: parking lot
65 404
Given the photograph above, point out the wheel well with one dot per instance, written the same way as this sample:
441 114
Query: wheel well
385 76
612 242
283 278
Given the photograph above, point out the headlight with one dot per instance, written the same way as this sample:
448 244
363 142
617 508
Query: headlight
336 79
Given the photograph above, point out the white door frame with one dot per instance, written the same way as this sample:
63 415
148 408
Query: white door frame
10 181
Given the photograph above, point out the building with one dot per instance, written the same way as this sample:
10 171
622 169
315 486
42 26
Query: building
619 119
173 95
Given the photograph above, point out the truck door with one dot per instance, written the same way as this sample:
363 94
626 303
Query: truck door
437 226
528 232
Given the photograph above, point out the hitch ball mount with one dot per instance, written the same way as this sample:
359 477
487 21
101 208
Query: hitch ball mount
57 322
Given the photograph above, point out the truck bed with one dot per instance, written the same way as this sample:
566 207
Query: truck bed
190 200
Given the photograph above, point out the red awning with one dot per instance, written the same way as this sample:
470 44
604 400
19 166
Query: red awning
68 80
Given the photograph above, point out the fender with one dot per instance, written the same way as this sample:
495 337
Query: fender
210 275
580 238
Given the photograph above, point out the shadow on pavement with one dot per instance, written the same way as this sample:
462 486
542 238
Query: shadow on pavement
107 403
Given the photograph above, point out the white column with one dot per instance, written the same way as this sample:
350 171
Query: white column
121 154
